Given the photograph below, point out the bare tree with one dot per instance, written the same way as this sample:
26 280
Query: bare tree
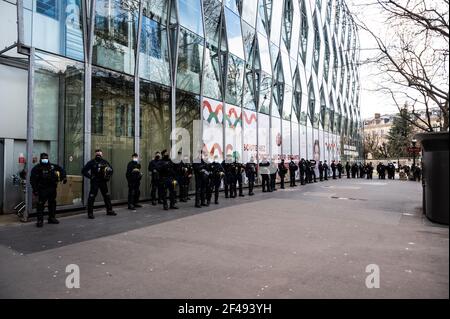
414 57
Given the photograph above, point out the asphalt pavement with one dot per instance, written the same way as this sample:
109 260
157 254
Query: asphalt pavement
312 241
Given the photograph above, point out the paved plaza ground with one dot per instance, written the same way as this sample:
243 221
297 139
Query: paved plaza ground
313 241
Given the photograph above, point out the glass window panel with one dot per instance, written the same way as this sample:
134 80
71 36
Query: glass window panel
55 26
190 56
188 111
115 93
155 126
264 54
59 120
234 5
115 34
249 9
249 43
276 19
249 91
287 102
154 52
212 86
212 9
234 33
190 15
155 10
235 80
265 93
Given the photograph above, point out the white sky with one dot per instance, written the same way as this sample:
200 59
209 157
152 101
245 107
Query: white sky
371 102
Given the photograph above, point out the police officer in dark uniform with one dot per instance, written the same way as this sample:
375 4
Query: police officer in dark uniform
230 177
369 169
320 171
250 172
354 170
333 169
347 169
340 169
44 180
282 171
153 169
264 168
308 179
134 177
293 167
201 181
215 178
302 168
99 171
168 180
312 166
239 169
184 173
326 169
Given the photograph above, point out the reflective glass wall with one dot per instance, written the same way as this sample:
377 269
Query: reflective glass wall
264 78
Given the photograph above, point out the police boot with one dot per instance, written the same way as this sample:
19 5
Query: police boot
173 206
197 202
53 220
154 203
131 207
40 222
111 213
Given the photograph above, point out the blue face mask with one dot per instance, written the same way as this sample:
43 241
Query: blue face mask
44 161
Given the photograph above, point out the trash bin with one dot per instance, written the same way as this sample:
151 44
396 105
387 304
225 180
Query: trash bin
435 175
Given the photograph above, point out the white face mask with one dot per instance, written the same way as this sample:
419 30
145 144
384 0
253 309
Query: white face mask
135 159
44 161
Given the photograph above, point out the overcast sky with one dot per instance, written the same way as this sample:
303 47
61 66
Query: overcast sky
371 102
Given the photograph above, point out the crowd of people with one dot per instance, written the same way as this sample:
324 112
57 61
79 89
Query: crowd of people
172 176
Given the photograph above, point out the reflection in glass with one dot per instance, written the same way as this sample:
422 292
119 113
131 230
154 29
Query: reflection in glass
54 26
249 9
249 91
212 9
115 93
234 33
264 53
154 52
249 43
265 90
235 80
59 120
155 10
115 34
190 57
187 111
212 86
155 126
190 15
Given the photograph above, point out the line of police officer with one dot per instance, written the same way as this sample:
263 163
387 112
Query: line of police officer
168 175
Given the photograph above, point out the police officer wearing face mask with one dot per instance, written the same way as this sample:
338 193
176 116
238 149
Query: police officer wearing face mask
134 177
44 179
201 180
168 180
184 172
282 171
239 169
230 177
154 173
216 174
292 170
99 172
250 172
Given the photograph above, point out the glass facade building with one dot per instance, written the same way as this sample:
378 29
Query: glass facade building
260 78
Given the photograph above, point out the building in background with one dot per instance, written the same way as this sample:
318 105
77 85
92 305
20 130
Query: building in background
262 77
376 129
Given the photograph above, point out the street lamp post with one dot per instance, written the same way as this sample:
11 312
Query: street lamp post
414 142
